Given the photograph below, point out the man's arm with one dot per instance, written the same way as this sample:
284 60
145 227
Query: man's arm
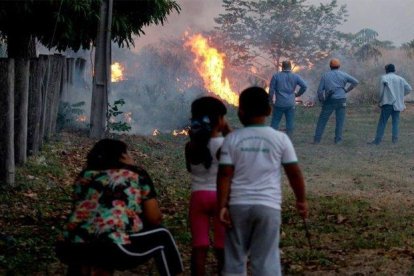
272 89
352 81
297 184
302 85
383 85
407 88
321 88
224 177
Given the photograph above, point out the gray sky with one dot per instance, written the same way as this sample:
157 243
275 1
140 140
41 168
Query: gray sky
392 19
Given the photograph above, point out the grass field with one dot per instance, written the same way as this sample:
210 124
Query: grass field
361 199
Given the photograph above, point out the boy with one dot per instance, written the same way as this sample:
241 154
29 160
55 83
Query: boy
249 188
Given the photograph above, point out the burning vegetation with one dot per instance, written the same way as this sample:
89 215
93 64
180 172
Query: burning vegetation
210 64
117 72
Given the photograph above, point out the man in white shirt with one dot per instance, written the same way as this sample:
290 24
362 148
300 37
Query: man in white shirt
391 100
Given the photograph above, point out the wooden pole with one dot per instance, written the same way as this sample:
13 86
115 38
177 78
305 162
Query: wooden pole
21 102
7 167
37 73
102 78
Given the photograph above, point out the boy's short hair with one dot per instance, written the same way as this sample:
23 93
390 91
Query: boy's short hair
254 101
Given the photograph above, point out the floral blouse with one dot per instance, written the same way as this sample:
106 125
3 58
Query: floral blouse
107 205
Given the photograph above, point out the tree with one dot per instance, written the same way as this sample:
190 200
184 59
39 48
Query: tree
280 29
409 48
73 24
366 45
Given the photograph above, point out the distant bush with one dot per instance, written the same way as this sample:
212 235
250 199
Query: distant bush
113 113
71 116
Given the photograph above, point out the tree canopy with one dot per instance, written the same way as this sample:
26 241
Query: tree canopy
365 44
280 29
409 48
73 24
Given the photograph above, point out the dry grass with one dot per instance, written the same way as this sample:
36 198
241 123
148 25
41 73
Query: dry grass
361 200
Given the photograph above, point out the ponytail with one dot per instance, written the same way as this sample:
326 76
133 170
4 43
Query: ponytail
205 112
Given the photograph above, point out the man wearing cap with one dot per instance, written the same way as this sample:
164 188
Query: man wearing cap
282 94
333 87
391 100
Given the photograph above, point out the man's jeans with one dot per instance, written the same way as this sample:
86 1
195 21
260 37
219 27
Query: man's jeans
387 111
328 107
289 113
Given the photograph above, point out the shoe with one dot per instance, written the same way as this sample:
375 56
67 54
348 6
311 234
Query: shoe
373 142
339 142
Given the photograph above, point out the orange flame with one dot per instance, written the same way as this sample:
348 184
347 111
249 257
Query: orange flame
117 72
183 132
210 65
81 118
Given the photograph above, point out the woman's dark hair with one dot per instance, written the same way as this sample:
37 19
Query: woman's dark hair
255 102
205 114
105 154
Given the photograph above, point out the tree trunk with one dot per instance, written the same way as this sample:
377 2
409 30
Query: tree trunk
21 95
7 168
37 75
102 77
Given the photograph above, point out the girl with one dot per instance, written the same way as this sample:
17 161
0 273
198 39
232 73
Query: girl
115 220
201 153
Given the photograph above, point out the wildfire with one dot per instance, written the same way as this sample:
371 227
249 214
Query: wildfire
183 132
210 66
295 68
117 72
81 118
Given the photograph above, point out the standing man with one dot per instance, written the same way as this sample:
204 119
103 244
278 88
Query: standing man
332 93
282 88
391 100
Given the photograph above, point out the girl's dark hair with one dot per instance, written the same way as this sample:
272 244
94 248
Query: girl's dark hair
105 154
205 114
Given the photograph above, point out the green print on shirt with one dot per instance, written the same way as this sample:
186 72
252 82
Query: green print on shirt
255 150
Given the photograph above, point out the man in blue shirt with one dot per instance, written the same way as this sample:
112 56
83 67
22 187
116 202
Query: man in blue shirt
332 93
282 96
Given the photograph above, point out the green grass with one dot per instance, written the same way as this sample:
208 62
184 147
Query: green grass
361 199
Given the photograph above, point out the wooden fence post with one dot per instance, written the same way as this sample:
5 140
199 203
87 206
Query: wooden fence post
7 167
57 89
21 95
44 59
36 79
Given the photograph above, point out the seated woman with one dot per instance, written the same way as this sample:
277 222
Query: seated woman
115 220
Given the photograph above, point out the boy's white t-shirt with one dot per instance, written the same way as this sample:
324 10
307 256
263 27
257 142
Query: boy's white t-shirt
257 154
203 179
